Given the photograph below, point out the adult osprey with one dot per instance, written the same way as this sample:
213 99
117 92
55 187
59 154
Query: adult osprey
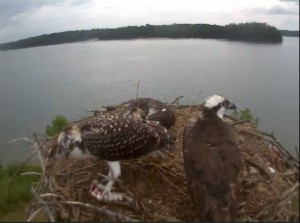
154 110
113 138
212 162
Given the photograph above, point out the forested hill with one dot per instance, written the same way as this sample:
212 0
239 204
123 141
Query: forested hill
250 32
290 33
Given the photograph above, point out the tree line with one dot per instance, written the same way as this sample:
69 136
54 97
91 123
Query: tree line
250 32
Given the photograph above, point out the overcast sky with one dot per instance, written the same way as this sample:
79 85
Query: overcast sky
25 18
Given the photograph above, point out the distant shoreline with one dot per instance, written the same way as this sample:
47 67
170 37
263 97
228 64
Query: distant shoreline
246 32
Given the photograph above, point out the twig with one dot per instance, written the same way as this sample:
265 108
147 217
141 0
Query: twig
83 168
165 218
271 135
21 139
137 90
297 151
166 179
258 136
102 210
240 122
285 196
31 217
231 117
176 100
21 166
30 173
44 203
38 149
197 97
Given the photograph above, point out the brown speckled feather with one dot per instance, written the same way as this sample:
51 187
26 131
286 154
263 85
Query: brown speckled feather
113 137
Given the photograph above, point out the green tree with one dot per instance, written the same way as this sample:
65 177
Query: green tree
246 115
58 124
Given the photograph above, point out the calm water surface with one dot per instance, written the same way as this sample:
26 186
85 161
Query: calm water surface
38 83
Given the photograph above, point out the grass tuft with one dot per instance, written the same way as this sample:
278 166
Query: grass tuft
18 191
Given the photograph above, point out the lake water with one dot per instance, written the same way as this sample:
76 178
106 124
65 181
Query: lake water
38 83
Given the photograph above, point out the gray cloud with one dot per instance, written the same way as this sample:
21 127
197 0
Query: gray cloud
292 1
281 11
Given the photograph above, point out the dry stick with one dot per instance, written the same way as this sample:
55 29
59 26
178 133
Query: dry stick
165 218
283 197
197 96
240 122
30 173
166 179
44 203
38 149
258 136
176 100
102 210
271 135
297 151
31 217
137 90
21 139
18 170
232 118
83 168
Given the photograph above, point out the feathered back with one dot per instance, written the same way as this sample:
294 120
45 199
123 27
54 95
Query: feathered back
212 161
166 117
116 137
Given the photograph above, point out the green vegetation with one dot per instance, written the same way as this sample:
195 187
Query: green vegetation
252 32
58 124
18 191
246 115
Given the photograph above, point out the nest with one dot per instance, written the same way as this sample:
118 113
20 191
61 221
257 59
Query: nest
269 182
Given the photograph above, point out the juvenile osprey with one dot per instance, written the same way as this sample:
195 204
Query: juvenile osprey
154 110
212 162
113 138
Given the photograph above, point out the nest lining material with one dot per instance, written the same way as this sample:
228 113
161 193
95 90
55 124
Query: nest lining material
269 181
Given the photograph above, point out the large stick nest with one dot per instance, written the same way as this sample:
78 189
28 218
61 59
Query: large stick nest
269 182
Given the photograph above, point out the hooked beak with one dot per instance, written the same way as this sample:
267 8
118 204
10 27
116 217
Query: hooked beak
232 106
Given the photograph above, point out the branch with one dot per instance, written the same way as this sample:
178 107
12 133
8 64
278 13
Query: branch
21 139
38 147
30 173
137 90
176 100
83 168
31 217
240 122
44 203
284 197
280 146
21 166
102 210
297 151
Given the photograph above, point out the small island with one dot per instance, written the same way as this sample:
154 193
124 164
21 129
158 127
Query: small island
249 32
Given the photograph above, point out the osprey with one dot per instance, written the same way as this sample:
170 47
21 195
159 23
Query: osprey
212 161
113 137
154 110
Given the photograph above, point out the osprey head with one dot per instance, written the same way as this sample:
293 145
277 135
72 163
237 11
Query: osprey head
219 104
68 140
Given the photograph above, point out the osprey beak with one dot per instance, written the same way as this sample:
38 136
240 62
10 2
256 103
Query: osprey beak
232 106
